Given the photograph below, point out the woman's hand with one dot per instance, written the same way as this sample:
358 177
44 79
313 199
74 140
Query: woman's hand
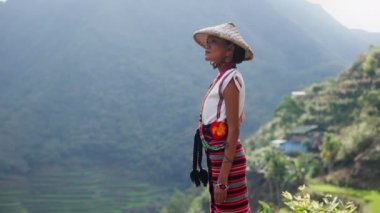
220 195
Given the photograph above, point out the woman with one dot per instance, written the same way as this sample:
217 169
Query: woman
220 117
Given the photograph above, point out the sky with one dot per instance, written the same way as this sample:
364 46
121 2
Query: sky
354 14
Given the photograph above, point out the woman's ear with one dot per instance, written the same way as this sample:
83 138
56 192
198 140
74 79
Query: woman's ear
230 51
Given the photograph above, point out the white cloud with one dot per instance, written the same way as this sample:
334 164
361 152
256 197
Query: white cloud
3 1
359 14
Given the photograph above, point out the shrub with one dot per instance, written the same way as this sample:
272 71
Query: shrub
301 203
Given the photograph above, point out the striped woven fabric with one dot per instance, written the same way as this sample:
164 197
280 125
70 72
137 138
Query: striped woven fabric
237 194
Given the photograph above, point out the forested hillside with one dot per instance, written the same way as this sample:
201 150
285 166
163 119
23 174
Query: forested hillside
347 107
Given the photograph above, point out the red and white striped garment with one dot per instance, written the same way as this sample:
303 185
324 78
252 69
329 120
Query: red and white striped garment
237 193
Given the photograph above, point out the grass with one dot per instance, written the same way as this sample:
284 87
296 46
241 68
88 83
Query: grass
283 210
371 198
97 191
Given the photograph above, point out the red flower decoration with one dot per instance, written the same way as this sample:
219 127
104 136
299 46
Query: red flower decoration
218 130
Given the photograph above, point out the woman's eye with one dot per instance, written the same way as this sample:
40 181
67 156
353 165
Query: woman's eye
211 41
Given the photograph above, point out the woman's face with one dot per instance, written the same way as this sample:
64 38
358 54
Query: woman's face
218 50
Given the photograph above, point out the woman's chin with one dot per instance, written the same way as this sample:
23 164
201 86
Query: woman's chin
207 58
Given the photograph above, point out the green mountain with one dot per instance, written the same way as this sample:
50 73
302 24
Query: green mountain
118 84
108 81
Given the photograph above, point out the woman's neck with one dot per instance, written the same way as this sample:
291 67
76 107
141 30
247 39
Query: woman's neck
226 66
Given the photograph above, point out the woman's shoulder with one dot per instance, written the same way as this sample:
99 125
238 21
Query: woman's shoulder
236 72
231 73
235 75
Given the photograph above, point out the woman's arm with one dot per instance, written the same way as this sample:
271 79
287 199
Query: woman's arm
231 98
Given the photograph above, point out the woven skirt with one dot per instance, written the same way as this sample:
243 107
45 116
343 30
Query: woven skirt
237 193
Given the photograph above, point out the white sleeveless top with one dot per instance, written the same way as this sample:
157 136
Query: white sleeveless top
214 106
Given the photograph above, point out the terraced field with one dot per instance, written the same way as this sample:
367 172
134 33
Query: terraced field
79 192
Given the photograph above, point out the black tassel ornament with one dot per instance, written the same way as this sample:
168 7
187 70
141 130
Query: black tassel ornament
203 174
198 176
194 176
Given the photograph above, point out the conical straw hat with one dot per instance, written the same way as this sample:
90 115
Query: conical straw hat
226 31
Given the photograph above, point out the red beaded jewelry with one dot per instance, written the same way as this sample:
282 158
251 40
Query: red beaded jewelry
222 186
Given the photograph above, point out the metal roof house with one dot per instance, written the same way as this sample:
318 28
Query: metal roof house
304 138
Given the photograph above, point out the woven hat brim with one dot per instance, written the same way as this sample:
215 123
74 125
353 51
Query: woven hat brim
200 37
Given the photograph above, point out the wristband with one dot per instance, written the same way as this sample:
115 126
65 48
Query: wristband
222 186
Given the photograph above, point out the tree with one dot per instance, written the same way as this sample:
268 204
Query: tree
288 110
281 173
329 149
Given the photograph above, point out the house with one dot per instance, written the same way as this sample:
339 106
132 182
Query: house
304 138
310 135
277 143
293 147
298 93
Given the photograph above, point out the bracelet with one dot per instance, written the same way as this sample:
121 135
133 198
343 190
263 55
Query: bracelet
222 186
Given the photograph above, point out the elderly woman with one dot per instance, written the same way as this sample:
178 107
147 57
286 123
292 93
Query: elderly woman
220 117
